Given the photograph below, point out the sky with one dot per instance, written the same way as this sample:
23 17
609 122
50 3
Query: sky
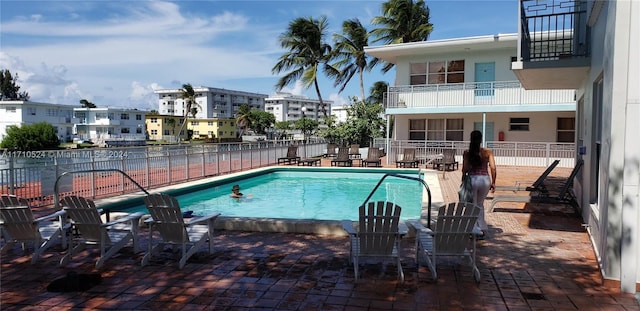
116 53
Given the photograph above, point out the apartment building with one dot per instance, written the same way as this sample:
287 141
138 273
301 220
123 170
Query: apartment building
27 112
289 107
211 103
213 128
592 46
444 89
111 126
165 128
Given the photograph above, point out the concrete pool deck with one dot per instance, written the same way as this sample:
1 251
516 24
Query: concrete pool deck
537 257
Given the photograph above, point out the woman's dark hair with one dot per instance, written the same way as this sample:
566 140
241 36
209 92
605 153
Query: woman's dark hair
475 158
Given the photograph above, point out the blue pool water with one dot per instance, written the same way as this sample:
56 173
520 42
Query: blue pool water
304 195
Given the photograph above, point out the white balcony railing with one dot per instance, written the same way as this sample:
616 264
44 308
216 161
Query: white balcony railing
499 93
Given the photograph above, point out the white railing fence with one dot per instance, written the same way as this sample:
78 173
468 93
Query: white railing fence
506 153
32 174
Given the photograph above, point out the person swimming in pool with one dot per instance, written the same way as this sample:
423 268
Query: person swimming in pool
235 192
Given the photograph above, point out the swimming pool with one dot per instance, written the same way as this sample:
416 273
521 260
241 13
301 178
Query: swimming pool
282 198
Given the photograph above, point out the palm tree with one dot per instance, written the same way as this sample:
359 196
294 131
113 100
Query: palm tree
402 21
189 101
306 51
376 93
243 118
349 51
86 104
172 123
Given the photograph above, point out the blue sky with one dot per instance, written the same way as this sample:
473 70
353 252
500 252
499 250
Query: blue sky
115 53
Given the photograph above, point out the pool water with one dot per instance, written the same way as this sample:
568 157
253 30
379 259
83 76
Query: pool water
305 195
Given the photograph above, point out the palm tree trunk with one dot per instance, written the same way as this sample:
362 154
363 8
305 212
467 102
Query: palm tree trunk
322 106
361 83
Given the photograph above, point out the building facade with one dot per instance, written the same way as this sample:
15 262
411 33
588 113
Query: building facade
210 102
165 128
596 54
111 126
27 112
219 129
289 107
444 89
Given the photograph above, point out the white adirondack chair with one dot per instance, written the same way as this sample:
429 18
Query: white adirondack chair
378 235
87 220
166 218
453 235
18 225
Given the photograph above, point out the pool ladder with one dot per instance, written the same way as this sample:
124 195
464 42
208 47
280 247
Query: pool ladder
420 180
56 195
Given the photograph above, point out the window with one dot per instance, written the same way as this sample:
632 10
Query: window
435 129
124 116
519 124
31 111
124 130
154 132
139 130
101 115
210 123
166 132
194 123
442 72
454 130
10 109
416 129
153 120
566 130
138 117
52 112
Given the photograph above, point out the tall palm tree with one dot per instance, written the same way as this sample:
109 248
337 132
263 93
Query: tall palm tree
349 51
376 93
307 50
402 21
189 101
243 118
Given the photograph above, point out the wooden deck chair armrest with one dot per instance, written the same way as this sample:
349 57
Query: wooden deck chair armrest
347 225
403 229
131 217
419 227
50 216
202 219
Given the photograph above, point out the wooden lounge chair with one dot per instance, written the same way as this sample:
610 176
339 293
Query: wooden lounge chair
536 186
408 158
448 160
86 219
354 151
378 235
17 225
565 196
292 156
342 159
331 151
166 218
373 158
449 237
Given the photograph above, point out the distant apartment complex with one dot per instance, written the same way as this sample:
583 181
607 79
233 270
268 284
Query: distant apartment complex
26 112
211 103
289 107
213 128
165 128
110 126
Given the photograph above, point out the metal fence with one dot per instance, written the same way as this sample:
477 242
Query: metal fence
505 153
32 174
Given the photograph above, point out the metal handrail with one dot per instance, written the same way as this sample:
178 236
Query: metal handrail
55 185
405 177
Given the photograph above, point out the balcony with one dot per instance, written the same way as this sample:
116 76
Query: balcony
553 51
498 96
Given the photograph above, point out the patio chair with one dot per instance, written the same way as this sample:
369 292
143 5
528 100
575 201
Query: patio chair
373 158
453 235
378 235
166 218
292 156
331 151
86 219
448 160
354 151
408 158
536 186
565 196
342 159
17 224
